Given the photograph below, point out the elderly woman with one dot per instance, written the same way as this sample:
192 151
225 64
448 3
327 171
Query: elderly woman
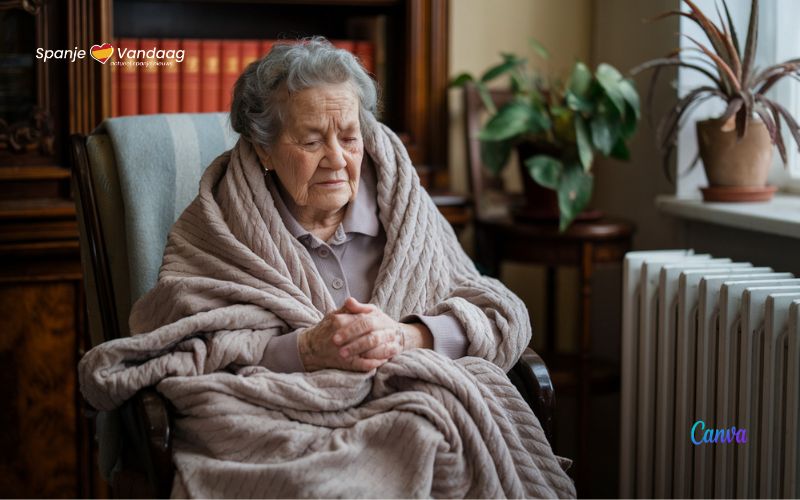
316 325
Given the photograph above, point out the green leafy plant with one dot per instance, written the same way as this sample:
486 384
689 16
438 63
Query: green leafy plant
732 76
586 116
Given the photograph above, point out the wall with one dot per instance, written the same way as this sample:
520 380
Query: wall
479 31
621 38
762 249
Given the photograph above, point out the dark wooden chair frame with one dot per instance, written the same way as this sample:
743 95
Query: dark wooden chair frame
146 418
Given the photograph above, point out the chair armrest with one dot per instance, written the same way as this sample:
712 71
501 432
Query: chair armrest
532 380
155 414
147 417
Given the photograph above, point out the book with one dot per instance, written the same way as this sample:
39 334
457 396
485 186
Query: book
231 69
266 46
129 80
204 80
347 45
365 53
190 77
251 51
170 79
148 80
379 43
372 29
210 75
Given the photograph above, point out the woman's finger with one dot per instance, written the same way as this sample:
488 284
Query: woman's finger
362 324
384 351
353 306
340 320
367 342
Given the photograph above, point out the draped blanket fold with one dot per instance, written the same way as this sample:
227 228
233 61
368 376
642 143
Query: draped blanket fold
420 426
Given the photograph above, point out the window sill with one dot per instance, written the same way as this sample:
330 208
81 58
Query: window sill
779 216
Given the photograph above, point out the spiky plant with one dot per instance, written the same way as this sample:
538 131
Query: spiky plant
733 77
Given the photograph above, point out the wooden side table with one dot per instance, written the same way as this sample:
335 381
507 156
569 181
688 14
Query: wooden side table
583 245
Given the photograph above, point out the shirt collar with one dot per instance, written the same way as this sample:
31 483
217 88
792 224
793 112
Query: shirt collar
361 215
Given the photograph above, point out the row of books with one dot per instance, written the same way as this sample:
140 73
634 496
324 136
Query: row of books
148 75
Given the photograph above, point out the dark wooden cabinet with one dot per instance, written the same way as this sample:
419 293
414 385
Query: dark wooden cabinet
47 441
38 351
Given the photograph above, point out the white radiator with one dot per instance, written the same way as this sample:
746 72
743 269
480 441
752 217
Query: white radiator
708 344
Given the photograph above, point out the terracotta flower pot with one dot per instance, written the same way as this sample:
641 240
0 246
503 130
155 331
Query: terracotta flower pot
736 163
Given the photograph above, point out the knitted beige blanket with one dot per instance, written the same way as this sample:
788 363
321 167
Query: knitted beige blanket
421 426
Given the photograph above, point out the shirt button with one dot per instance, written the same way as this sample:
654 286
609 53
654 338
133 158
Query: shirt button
324 252
337 283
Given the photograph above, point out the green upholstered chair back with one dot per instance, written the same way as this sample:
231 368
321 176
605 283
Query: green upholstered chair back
144 171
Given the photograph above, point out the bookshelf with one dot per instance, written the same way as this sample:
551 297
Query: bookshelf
410 36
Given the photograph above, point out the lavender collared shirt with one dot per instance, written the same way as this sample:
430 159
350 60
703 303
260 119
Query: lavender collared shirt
348 264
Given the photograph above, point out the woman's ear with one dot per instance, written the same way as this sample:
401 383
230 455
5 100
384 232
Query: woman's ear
263 156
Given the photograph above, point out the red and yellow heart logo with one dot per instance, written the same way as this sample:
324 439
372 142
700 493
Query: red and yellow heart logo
102 53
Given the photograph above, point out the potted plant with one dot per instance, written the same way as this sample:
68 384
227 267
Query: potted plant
558 127
736 147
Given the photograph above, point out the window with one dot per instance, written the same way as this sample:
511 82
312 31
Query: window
779 40
780 34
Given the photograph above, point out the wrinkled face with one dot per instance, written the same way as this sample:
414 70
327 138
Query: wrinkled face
318 154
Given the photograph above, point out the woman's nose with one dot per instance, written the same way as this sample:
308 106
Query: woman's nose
334 156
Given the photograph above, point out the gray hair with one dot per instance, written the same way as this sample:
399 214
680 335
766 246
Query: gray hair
257 109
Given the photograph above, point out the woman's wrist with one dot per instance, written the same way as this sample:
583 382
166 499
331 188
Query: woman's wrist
307 353
416 336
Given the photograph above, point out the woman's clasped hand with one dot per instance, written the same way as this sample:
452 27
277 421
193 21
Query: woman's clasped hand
358 337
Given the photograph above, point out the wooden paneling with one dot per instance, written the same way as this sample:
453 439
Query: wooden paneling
37 389
89 23
46 441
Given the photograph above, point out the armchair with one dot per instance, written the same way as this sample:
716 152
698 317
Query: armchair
169 152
